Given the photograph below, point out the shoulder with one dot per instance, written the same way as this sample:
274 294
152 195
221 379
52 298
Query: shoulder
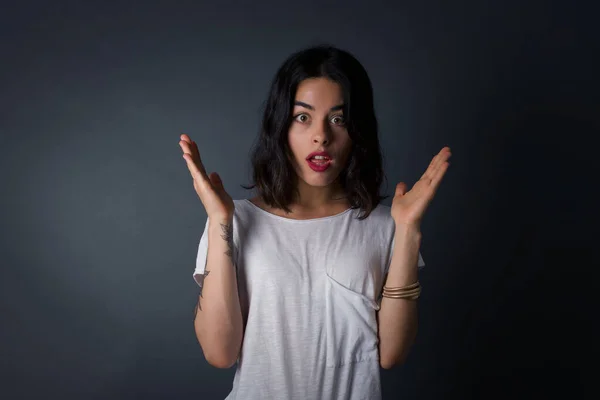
240 202
242 207
379 224
247 212
380 215
381 212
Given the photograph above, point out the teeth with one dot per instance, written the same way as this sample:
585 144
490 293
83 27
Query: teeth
320 158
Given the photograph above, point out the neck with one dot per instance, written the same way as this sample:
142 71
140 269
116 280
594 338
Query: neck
313 198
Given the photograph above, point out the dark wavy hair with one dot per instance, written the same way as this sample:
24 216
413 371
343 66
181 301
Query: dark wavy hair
272 172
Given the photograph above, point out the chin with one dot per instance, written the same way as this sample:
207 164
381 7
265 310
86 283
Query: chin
318 184
319 181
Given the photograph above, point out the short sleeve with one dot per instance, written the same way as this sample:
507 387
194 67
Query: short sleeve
201 256
421 262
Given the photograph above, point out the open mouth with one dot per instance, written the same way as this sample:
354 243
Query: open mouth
319 164
319 160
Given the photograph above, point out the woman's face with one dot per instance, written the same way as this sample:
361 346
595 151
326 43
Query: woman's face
318 126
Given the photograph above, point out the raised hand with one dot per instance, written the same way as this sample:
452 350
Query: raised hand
217 203
409 207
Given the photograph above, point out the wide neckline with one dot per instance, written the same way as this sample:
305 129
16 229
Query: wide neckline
257 208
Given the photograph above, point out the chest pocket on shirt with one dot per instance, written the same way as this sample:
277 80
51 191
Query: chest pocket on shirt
358 269
352 280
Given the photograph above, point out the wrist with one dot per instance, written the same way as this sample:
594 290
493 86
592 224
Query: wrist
221 229
409 230
218 221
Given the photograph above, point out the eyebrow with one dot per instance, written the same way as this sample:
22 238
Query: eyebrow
302 104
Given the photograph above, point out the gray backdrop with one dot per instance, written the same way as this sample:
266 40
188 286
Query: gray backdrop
100 222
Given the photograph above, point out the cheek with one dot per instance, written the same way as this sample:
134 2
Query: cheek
295 143
345 146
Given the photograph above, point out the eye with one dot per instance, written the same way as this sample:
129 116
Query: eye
338 120
302 118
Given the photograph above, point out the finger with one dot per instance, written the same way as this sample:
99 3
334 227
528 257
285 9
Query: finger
215 179
192 150
439 174
400 189
428 174
192 167
196 168
431 164
440 167
185 147
438 160
200 164
443 156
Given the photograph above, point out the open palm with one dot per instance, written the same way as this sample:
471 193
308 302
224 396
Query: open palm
217 202
409 207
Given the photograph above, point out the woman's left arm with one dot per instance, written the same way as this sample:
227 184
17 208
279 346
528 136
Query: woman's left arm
397 318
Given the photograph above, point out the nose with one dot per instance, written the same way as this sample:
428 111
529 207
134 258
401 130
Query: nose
322 135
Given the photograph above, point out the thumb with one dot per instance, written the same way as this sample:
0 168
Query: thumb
215 179
400 189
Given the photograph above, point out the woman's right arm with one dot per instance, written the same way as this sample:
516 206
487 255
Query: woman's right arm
218 322
218 318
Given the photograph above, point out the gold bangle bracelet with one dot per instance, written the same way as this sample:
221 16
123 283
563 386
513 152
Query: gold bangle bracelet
416 284
401 290
415 297
406 292
402 295
410 292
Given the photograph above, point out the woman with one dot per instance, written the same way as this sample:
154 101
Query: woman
292 280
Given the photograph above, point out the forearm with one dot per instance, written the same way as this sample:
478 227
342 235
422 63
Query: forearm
397 318
218 322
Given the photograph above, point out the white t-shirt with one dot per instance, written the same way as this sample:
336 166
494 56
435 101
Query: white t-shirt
309 292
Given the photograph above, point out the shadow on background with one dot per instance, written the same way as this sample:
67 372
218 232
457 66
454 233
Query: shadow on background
100 223
524 326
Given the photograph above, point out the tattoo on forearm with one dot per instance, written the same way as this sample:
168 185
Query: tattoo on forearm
198 305
227 235
205 275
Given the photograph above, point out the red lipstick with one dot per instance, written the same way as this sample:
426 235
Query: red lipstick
319 161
